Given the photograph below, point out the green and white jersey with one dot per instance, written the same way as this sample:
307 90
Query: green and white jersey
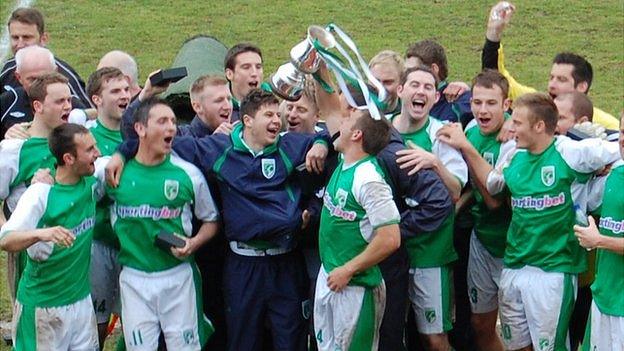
435 249
490 226
107 141
608 286
356 202
19 160
540 233
150 199
56 275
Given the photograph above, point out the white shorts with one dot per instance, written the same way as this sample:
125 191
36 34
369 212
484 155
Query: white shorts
604 332
484 272
160 301
69 327
104 276
535 307
431 295
349 319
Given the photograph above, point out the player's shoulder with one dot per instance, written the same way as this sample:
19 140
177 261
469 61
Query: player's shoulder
435 124
190 169
11 146
37 191
619 165
368 171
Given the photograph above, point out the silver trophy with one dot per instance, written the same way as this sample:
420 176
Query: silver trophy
288 81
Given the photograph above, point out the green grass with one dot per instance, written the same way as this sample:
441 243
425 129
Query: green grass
153 31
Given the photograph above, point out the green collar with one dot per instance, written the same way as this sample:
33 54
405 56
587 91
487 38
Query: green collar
240 145
442 85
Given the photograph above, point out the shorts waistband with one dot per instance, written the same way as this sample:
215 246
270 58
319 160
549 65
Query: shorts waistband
244 249
171 271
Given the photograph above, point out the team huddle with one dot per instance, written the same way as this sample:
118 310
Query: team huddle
482 216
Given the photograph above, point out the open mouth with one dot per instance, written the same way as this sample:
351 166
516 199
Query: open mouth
484 121
123 106
168 140
253 84
225 116
293 125
65 117
273 131
418 103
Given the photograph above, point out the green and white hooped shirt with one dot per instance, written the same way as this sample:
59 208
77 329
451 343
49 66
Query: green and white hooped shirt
436 248
608 286
56 275
150 199
540 233
490 225
356 202
21 158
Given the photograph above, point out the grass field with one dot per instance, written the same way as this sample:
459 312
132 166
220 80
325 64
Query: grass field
153 31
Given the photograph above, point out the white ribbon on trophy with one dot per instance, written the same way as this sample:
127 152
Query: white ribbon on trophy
357 75
288 81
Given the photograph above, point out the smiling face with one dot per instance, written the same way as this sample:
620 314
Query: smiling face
418 95
488 106
214 105
301 115
246 75
55 107
114 98
83 162
159 130
262 129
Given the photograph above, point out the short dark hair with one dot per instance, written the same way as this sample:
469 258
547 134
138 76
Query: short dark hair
581 104
230 56
97 78
375 133
429 52
541 107
423 68
581 68
142 113
254 100
488 78
39 88
30 16
61 141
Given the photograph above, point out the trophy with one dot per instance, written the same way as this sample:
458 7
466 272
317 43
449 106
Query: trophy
348 69
288 81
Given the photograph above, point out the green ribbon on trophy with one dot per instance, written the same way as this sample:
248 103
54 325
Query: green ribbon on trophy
289 79
356 75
